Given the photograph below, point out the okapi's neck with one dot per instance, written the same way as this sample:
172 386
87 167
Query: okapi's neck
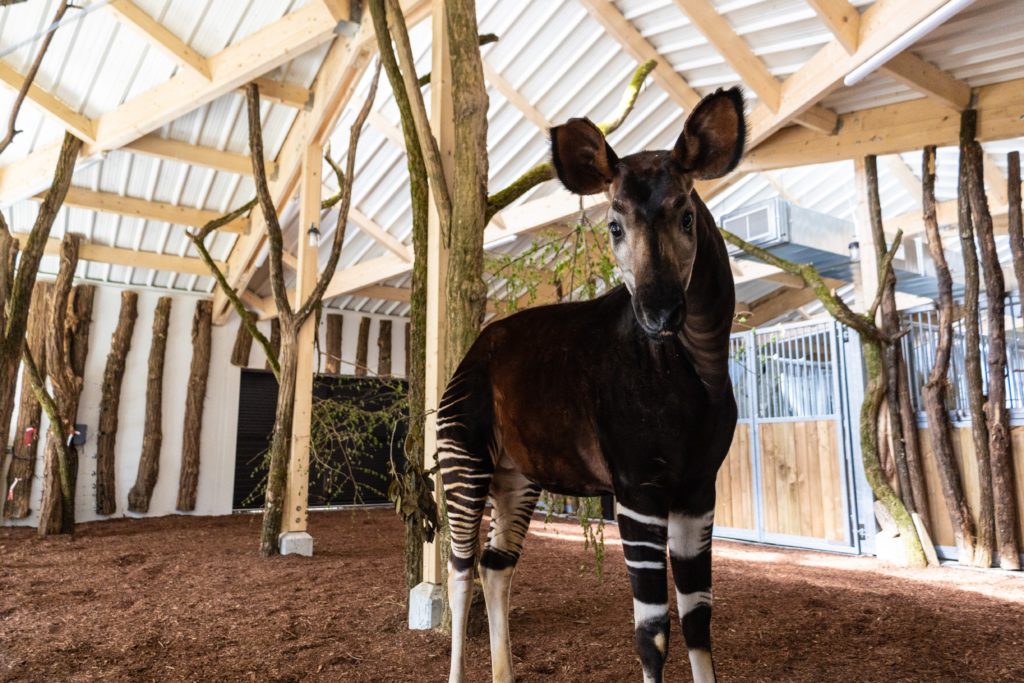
710 306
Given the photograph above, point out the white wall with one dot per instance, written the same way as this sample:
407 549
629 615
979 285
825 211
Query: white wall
220 412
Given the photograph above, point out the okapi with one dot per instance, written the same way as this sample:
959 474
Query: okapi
628 394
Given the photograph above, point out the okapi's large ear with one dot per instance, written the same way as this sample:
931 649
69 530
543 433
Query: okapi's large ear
584 161
713 138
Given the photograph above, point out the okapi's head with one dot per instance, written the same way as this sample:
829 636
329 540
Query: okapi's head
655 220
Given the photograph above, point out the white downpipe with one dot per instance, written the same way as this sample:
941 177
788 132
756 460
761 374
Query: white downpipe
926 26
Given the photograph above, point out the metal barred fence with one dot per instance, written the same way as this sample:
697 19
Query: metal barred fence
919 350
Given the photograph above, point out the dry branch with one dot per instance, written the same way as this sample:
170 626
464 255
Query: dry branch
1015 227
243 347
275 344
30 77
110 402
188 479
152 439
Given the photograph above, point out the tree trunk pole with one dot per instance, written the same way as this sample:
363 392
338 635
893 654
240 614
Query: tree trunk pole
384 349
915 463
335 326
110 402
243 347
363 347
275 340
972 337
27 434
152 440
280 442
998 420
890 323
935 389
1015 227
199 372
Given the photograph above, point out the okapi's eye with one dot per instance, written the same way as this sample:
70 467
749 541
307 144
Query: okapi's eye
688 222
615 229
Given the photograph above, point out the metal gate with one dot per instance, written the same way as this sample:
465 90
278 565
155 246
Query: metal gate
791 476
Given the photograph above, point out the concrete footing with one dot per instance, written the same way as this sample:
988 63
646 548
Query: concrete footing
425 607
296 543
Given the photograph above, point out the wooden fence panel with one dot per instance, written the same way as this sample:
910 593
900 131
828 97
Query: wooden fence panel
801 479
734 506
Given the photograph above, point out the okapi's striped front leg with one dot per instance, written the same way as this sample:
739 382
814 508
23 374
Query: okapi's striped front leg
689 542
644 537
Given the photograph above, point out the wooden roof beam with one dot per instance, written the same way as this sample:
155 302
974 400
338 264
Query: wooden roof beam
515 98
928 79
379 234
134 207
131 15
78 124
119 256
881 24
902 127
288 94
234 66
842 20
175 150
738 54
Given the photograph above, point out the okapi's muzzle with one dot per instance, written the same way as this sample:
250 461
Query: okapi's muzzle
661 314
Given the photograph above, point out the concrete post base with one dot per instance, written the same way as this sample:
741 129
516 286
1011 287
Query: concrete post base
296 543
425 608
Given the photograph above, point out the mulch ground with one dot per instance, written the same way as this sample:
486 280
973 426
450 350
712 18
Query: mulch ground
186 598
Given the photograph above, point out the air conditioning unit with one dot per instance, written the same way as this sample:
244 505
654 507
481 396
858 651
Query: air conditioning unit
764 224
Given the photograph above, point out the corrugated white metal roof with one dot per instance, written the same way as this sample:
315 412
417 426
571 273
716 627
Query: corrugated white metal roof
552 51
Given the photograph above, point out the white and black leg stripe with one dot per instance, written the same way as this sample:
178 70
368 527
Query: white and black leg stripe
644 538
690 552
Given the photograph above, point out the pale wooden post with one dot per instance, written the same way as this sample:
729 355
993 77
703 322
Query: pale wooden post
297 494
442 125
866 272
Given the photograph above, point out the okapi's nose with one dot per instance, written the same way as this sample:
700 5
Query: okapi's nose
663 321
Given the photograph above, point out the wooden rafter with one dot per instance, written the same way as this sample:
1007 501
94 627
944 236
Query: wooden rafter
78 124
879 26
135 207
157 35
929 80
735 50
382 236
288 94
842 20
196 155
898 168
235 65
102 253
902 127
515 98
386 128
339 74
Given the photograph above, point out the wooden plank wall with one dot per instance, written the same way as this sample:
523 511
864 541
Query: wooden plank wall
801 479
734 500
942 531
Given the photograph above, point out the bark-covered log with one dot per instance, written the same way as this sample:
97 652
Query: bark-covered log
19 284
152 439
27 435
913 446
275 340
384 349
242 348
363 347
972 336
335 324
67 345
190 440
1015 226
891 352
998 420
110 402
935 388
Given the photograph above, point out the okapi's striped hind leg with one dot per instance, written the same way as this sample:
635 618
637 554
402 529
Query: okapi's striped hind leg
513 498
689 540
464 455
644 536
